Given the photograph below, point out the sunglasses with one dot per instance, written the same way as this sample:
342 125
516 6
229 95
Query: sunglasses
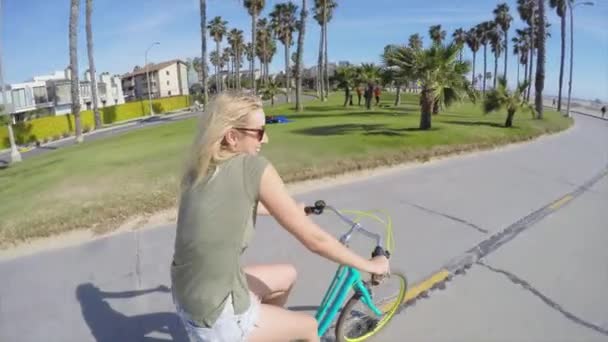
259 131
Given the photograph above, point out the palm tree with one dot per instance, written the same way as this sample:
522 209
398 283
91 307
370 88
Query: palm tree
270 90
323 14
495 36
473 42
540 62
283 20
527 12
346 76
483 30
250 53
7 119
415 41
460 37
436 34
369 74
441 74
263 36
254 8
237 42
225 58
389 74
561 7
300 55
265 51
203 60
216 60
75 84
89 13
520 48
503 19
513 102
217 30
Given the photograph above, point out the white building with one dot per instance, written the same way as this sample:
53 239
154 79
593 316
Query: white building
168 78
53 93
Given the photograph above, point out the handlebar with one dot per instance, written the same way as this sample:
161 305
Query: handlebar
320 206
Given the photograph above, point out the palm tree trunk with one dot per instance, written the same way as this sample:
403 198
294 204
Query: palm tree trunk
300 53
203 15
495 69
426 108
320 79
473 75
517 72
89 12
398 99
218 88
509 122
346 95
287 80
254 19
75 84
506 53
265 54
485 55
526 72
540 61
325 71
562 58
532 46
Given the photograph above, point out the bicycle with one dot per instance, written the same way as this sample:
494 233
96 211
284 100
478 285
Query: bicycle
356 323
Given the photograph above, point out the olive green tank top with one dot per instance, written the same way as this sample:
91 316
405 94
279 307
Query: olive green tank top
215 223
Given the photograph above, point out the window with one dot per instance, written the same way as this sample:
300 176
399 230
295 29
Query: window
167 72
19 98
40 95
169 92
167 82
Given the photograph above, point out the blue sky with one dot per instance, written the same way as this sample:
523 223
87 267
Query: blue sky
35 34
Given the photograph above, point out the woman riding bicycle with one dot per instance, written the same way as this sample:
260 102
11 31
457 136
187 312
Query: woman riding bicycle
225 185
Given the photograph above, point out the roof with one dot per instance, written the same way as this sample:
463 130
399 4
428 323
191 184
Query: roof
152 67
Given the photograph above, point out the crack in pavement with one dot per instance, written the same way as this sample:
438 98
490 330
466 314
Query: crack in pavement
453 218
518 281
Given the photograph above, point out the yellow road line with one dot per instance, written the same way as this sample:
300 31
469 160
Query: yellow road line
426 284
561 202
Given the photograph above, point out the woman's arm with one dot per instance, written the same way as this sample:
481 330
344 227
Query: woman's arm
262 209
284 209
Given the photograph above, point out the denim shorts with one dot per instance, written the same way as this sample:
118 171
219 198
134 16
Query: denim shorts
229 327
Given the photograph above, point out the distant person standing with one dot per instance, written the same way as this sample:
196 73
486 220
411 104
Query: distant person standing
359 93
377 94
603 111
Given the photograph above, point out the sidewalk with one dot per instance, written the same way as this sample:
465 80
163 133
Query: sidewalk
109 127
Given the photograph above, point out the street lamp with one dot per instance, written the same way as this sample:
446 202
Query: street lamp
572 6
148 77
15 155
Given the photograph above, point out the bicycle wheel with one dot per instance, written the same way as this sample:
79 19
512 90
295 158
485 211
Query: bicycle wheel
357 322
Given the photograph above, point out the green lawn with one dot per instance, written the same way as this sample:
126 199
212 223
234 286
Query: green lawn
100 184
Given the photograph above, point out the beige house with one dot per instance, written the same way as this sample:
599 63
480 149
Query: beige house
166 79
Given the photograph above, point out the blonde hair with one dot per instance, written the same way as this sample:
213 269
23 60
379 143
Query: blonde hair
224 112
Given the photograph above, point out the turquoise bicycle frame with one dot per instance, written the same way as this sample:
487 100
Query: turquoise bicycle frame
345 279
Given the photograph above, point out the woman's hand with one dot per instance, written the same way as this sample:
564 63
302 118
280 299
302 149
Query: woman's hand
380 265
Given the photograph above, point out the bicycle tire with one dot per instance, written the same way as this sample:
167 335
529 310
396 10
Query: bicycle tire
351 314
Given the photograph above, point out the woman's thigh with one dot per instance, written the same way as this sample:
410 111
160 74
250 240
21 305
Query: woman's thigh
268 280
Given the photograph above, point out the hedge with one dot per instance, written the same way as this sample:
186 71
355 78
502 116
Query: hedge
55 127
